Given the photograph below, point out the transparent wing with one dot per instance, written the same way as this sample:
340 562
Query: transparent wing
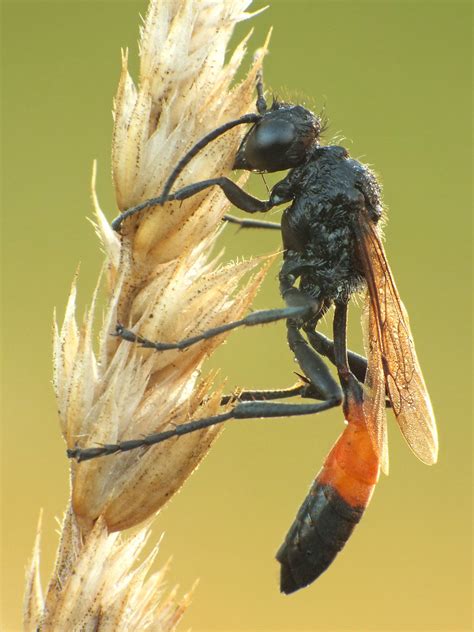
393 350
374 395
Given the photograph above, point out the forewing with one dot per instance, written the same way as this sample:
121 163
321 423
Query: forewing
374 395
389 330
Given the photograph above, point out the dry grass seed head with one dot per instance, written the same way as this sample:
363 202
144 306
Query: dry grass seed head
161 280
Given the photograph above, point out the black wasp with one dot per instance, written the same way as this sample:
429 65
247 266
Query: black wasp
332 249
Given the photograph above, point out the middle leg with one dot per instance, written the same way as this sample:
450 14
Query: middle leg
300 311
251 223
326 347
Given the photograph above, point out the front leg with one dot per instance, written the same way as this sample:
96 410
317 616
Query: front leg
280 194
237 196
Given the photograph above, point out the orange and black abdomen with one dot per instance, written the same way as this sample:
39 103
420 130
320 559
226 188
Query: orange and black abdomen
333 507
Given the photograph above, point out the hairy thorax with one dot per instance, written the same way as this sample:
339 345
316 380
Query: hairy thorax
330 190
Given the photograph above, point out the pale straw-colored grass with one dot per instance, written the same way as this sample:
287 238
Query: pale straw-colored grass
159 279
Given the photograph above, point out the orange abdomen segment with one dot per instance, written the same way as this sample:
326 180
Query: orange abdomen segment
352 467
333 507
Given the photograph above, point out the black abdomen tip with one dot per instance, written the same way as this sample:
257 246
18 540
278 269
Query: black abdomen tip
288 583
304 556
322 527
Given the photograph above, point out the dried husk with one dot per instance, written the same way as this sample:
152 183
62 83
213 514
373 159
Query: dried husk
160 280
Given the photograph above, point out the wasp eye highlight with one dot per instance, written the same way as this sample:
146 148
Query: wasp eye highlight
281 140
269 137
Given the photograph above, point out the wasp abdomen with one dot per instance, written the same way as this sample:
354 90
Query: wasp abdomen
331 510
315 538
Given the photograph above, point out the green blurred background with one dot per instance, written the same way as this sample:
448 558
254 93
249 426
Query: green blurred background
394 80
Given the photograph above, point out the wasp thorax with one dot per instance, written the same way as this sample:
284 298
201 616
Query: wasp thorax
280 140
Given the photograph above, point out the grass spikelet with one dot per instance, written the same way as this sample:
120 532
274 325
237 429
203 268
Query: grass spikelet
160 280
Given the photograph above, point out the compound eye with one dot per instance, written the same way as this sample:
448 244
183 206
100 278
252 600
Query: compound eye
267 142
282 139
273 136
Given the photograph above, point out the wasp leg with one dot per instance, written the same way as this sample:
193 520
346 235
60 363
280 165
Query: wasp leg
325 346
251 223
323 384
232 191
305 390
341 491
255 318
245 119
350 385
298 390
243 410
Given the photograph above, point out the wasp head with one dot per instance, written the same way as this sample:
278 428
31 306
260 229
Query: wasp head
280 140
